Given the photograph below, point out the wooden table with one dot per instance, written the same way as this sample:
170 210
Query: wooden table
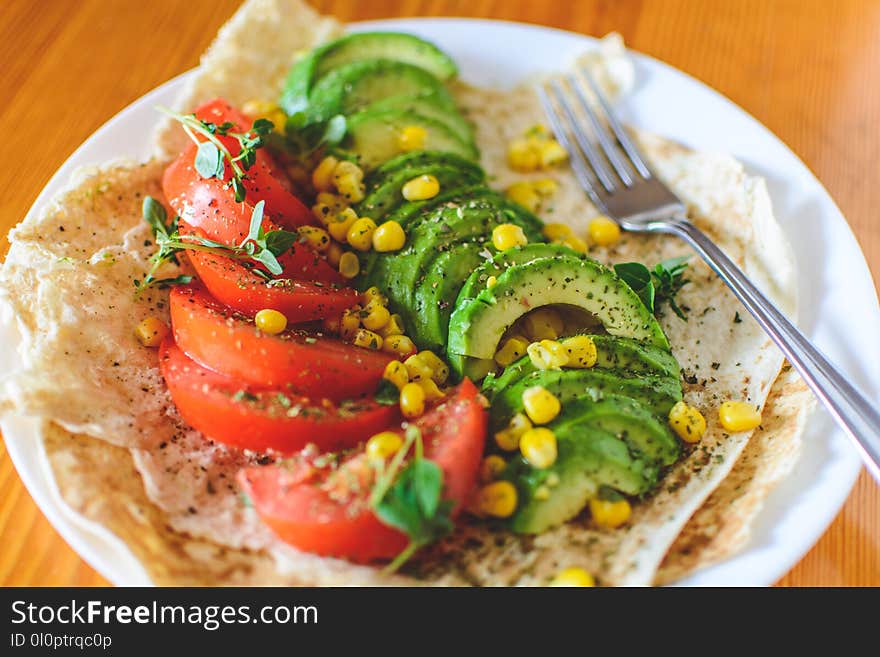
807 69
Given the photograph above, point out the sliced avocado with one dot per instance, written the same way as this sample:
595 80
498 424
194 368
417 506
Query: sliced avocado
628 420
420 158
476 326
518 255
588 458
435 296
656 393
396 46
372 136
430 107
612 353
397 274
355 86
387 195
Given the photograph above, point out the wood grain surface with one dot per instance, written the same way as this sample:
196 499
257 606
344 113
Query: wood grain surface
807 69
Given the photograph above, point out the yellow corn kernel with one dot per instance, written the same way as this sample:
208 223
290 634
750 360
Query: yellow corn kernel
326 208
550 153
687 422
315 237
490 467
540 404
389 237
524 194
393 327
497 499
513 349
610 514
383 445
270 321
152 331
349 265
374 294
542 493
548 355
555 231
738 416
350 322
348 178
490 282
412 138
322 176
552 479
376 316
603 231
360 235
543 324
507 236
538 447
421 188
395 372
573 577
412 400
261 109
581 351
575 244
439 369
339 224
334 253
399 345
522 156
367 339
418 369
509 438
545 186
431 390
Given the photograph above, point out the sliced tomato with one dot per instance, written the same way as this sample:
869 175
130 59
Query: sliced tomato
209 203
230 344
310 513
238 287
263 181
260 419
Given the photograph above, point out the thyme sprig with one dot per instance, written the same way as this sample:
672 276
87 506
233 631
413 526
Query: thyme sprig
258 247
212 155
408 498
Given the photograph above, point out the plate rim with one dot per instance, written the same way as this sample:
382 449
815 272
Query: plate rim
68 529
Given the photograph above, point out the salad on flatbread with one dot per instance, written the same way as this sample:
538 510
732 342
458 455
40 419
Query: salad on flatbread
355 322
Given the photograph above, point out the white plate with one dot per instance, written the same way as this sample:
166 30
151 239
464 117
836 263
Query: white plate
833 277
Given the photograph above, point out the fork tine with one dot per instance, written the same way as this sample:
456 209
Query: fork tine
602 135
623 138
578 164
592 155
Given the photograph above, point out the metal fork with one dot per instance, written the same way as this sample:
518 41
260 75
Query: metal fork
618 180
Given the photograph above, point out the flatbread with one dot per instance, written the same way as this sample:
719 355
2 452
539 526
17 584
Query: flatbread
122 457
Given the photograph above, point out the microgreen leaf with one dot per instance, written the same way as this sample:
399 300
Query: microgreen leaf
256 226
209 161
654 286
410 498
387 394
335 131
280 241
155 215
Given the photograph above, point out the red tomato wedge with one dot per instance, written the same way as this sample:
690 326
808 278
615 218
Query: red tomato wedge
262 182
209 204
230 344
248 417
241 289
304 507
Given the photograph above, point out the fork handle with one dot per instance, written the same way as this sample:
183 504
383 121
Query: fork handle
849 407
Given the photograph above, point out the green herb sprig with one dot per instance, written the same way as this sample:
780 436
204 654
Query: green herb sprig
303 138
408 498
212 155
258 246
658 285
